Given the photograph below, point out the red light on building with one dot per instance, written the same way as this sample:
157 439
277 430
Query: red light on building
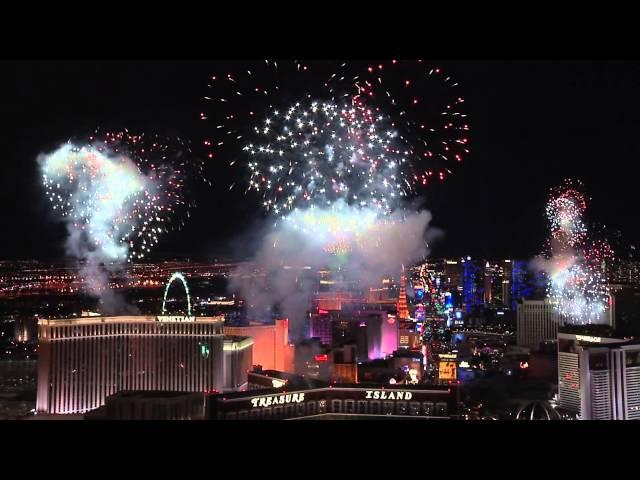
321 358
271 347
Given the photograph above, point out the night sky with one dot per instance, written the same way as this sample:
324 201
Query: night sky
533 123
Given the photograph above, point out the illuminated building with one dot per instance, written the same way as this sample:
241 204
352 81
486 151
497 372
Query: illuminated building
472 284
84 360
447 367
406 361
373 332
507 269
345 372
409 338
271 348
403 310
386 295
417 401
403 367
334 300
599 377
25 329
390 334
488 271
318 361
537 321
321 327
381 295
537 410
453 274
497 282
238 361
344 368
522 282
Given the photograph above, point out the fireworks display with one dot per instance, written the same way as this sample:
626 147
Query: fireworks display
576 260
565 210
337 153
325 137
120 191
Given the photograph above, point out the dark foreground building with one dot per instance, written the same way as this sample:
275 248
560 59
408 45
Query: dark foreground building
151 405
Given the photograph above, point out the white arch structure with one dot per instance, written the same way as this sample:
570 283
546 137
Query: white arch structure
177 276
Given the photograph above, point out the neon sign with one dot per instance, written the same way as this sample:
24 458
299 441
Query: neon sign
176 276
587 338
175 318
277 400
388 395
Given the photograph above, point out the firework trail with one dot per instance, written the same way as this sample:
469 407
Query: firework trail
575 260
118 193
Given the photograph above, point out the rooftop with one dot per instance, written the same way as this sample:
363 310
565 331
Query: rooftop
129 319
143 394
348 416
350 386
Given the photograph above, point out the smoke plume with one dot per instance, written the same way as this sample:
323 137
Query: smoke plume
93 192
291 253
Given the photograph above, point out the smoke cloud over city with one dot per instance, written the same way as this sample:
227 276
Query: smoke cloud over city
289 256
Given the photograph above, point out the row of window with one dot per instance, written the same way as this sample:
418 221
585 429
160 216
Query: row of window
360 407
128 329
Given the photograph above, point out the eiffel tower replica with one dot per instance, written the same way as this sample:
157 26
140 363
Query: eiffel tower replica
403 309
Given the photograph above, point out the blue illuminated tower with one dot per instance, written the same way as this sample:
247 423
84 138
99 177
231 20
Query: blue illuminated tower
520 283
472 289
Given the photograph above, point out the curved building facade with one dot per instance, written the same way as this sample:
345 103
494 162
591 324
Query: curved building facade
84 360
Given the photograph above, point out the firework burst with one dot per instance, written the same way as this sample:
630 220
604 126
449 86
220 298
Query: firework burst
317 154
576 261
313 134
419 106
565 210
120 190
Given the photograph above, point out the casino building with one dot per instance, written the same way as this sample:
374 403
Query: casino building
84 360
599 377
389 401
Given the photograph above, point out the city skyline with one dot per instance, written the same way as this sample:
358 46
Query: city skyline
319 240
